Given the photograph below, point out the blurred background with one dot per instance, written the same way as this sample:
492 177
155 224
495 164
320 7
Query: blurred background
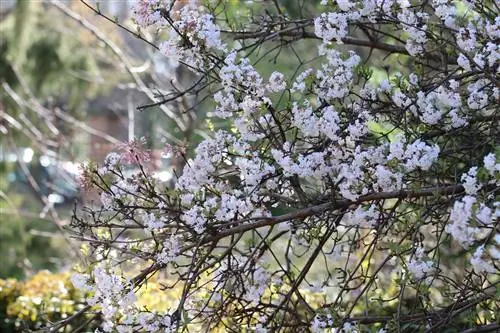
70 85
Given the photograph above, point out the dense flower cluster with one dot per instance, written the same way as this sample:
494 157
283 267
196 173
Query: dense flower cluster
474 216
148 12
191 35
325 180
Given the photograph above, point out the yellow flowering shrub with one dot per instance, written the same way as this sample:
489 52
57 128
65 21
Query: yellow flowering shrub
48 297
45 297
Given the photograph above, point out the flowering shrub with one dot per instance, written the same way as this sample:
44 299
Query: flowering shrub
30 304
337 199
50 297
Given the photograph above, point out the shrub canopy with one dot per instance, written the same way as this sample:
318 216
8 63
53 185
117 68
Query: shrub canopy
353 187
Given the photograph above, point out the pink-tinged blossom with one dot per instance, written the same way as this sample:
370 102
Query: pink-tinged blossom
148 12
135 152
84 178
174 150
111 160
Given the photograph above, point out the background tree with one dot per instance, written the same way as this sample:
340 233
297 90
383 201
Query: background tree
39 69
52 78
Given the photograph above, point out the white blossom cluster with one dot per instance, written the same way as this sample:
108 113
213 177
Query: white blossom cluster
413 23
148 12
330 26
114 295
365 218
277 82
470 208
192 34
252 288
474 216
480 262
321 323
418 266
442 105
204 173
170 250
335 77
